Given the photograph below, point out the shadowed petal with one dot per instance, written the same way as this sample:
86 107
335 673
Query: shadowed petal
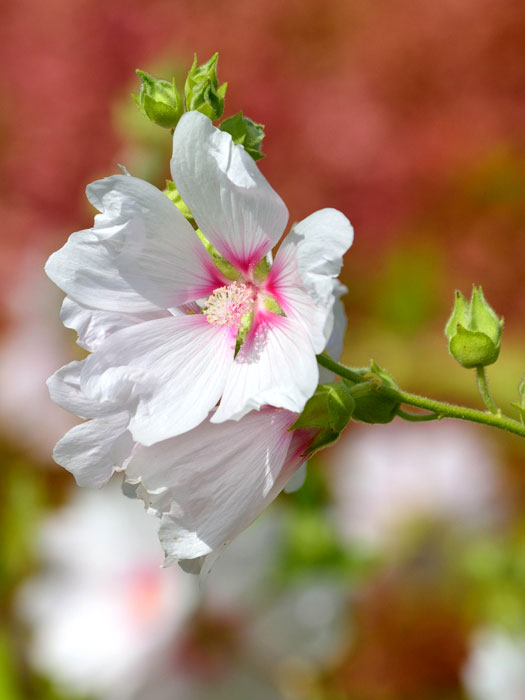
231 201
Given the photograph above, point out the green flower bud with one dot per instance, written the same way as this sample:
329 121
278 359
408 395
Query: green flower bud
327 412
474 331
159 100
202 90
371 406
246 132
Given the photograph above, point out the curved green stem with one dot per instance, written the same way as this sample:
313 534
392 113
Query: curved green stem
416 417
440 408
483 389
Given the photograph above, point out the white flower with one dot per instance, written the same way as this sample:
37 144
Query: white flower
386 476
102 610
207 484
495 669
133 279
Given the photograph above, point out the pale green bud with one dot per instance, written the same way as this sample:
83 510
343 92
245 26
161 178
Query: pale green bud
246 132
202 90
474 331
159 100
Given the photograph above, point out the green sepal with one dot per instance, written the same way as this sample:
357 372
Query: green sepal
460 314
474 330
246 132
159 100
472 348
227 269
371 406
173 194
521 405
331 407
202 89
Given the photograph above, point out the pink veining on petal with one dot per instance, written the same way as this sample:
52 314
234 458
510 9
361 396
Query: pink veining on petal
246 261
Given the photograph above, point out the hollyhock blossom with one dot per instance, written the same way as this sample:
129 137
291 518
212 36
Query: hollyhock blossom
102 609
206 485
163 320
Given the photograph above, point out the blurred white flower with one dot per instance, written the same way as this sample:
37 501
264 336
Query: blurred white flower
162 320
388 475
495 669
103 608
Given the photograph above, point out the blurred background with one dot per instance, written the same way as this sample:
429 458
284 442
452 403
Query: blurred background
397 571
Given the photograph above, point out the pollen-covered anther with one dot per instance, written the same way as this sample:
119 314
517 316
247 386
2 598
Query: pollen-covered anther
227 305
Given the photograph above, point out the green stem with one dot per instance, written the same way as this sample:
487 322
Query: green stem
483 389
416 417
440 408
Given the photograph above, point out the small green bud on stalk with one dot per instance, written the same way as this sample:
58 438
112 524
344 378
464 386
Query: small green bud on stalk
202 90
159 100
371 406
327 412
474 331
246 132
521 405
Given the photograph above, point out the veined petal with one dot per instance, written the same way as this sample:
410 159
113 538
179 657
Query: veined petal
94 326
169 371
213 480
231 201
141 254
94 450
303 274
276 366
64 390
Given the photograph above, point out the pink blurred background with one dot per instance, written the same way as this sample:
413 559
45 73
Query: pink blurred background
406 115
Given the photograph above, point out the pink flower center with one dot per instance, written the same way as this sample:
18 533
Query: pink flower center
227 305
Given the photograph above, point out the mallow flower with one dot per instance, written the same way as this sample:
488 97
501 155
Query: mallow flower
173 335
206 485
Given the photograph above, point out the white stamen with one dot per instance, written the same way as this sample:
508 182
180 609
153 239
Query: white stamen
227 305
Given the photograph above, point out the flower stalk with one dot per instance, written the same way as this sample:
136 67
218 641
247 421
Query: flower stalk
437 409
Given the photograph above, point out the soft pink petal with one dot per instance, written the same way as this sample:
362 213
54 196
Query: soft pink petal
141 254
169 371
231 201
214 480
276 366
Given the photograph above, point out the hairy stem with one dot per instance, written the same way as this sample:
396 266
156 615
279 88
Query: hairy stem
440 409
483 389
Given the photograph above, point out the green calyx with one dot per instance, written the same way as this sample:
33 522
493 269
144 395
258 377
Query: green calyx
245 132
372 405
474 331
328 413
159 100
202 90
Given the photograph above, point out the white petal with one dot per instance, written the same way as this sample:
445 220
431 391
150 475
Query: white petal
231 201
94 326
309 260
276 366
64 389
92 451
170 372
141 254
335 344
215 479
